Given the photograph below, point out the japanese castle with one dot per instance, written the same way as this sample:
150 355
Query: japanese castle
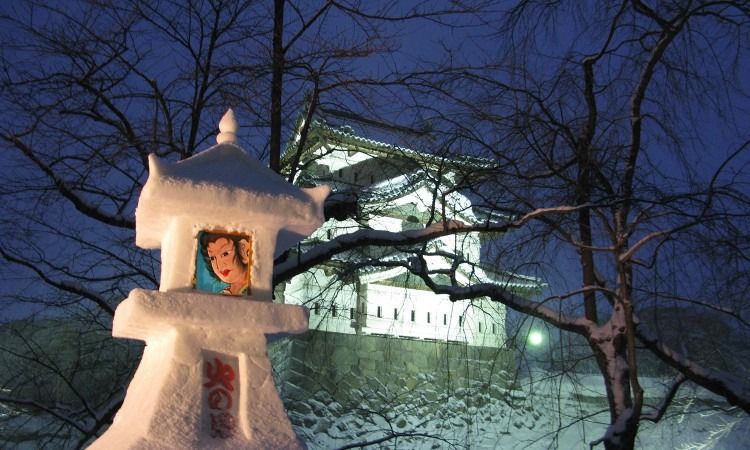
397 189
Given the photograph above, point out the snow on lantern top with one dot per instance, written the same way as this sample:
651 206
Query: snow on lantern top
222 188
227 128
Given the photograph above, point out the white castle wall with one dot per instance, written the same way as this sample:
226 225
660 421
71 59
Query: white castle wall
395 311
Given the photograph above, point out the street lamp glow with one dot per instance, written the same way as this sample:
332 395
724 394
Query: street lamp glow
535 338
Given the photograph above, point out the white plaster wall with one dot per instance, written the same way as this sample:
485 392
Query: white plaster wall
339 158
424 315
320 293
333 308
385 223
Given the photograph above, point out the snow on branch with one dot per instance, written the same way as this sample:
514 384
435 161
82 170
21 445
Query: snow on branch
393 436
73 288
723 384
39 406
495 291
88 209
658 413
287 268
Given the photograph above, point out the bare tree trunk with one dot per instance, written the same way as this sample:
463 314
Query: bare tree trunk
276 84
612 357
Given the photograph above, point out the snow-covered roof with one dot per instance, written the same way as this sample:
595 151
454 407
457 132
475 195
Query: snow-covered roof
345 134
332 131
477 272
331 127
223 184
397 187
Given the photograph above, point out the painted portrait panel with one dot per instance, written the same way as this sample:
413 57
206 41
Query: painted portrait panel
222 262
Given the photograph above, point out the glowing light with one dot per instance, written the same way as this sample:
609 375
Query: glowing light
535 338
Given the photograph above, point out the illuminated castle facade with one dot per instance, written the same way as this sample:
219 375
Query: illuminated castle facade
397 189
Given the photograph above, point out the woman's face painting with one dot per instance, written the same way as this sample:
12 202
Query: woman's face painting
226 265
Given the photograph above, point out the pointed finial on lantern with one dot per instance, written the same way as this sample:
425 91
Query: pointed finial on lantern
227 128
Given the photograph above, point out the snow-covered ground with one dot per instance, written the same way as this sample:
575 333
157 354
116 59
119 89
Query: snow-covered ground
544 412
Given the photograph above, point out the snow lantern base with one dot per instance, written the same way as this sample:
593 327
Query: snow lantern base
205 380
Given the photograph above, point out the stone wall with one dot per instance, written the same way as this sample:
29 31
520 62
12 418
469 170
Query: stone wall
341 388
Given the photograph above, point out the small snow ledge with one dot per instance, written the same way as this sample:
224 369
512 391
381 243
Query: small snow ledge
148 313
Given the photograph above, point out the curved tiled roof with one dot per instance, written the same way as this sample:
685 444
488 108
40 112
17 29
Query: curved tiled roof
345 134
394 188
508 279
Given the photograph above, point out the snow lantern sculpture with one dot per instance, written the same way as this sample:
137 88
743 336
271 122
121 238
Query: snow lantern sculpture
220 218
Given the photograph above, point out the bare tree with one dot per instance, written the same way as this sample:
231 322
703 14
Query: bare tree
605 122
616 131
89 89
595 115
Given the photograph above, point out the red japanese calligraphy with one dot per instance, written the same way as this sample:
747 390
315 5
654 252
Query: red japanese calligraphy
219 399
219 373
219 385
222 425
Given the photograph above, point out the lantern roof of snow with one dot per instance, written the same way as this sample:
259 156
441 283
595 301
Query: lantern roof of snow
224 185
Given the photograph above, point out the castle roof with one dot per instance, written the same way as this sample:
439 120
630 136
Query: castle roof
333 127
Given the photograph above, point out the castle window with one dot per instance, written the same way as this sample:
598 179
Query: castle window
428 317
494 328
316 308
329 233
445 319
413 315
333 310
380 311
395 314
460 321
480 327
351 313
341 173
